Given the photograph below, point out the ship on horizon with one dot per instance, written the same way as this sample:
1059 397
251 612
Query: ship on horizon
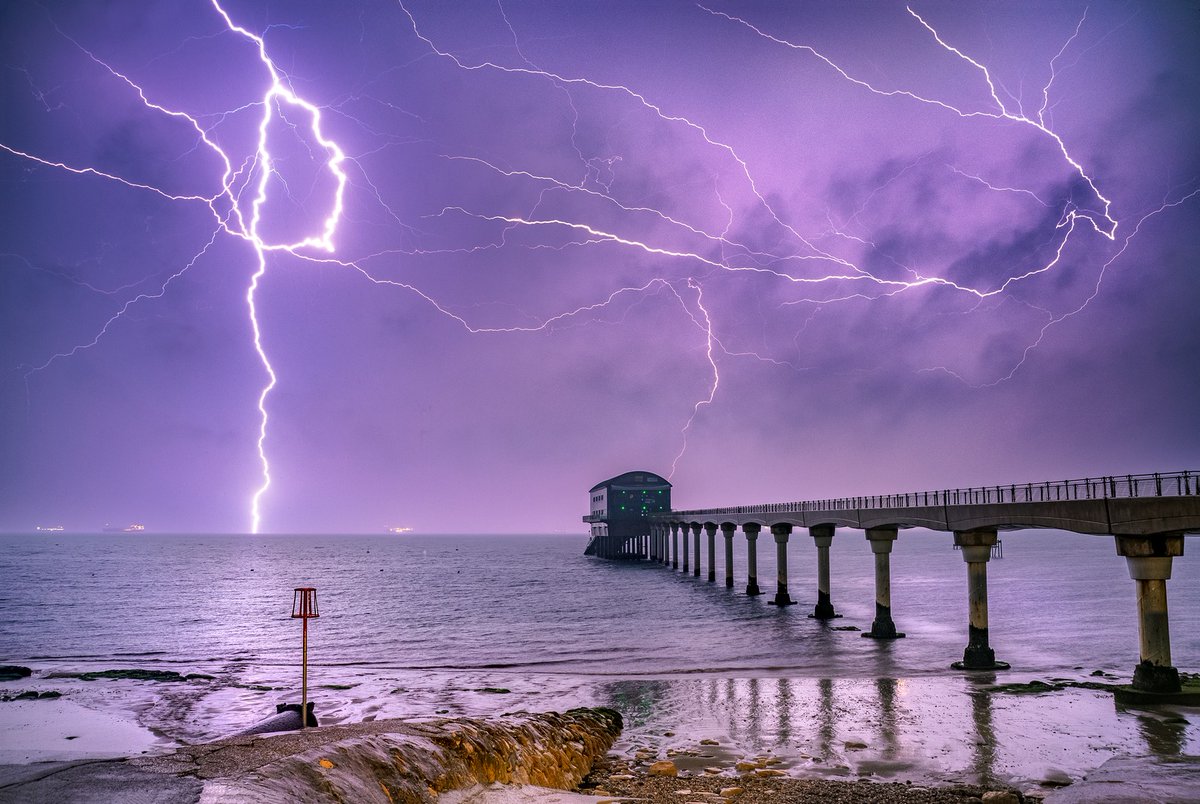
131 528
49 528
399 529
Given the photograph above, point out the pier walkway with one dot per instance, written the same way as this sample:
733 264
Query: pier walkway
1148 515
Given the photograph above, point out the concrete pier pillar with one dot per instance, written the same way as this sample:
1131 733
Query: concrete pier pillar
976 547
823 537
675 545
696 528
781 534
653 543
727 530
1149 560
685 531
752 530
711 529
881 540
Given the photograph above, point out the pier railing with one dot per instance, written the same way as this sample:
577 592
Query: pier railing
1157 484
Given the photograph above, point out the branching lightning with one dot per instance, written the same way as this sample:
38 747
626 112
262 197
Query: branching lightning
812 272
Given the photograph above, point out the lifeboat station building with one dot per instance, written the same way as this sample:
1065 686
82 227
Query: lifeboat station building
620 511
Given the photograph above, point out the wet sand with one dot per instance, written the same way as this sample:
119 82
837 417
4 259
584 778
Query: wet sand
933 732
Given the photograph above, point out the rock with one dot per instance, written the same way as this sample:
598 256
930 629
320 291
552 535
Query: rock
855 745
1055 778
746 766
713 770
668 734
134 674
769 772
709 742
731 792
622 776
664 768
1001 797
12 672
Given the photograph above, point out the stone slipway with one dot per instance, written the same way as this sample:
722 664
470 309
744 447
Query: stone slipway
387 761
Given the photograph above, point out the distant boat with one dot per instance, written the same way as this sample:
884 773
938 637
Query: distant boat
399 530
134 528
50 528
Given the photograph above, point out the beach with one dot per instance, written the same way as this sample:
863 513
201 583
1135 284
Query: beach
475 627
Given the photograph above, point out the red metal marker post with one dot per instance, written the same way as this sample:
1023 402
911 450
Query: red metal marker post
304 607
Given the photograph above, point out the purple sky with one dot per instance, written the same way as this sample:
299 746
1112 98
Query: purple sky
911 263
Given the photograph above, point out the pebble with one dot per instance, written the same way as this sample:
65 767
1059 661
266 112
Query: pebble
769 772
731 792
1000 797
664 768
709 742
746 766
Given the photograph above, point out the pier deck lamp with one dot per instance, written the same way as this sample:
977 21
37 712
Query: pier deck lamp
304 607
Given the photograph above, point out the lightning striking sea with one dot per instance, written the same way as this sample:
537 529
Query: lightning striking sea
424 626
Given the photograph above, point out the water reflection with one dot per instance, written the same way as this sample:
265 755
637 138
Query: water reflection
886 689
984 763
1165 733
825 716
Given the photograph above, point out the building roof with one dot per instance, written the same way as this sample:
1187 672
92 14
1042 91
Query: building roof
638 478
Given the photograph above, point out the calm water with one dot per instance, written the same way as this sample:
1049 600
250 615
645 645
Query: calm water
420 625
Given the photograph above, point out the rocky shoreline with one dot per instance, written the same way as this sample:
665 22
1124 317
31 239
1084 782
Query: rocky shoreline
385 761
757 781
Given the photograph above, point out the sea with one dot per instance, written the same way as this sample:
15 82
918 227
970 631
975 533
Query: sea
425 626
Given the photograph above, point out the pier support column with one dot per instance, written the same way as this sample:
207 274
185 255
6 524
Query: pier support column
781 534
675 545
685 532
1149 559
711 529
752 530
823 537
976 546
696 528
881 540
666 545
727 530
653 543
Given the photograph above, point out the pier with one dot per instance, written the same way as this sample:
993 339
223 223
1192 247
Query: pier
1147 515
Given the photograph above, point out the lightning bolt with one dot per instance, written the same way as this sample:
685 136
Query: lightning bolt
813 274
